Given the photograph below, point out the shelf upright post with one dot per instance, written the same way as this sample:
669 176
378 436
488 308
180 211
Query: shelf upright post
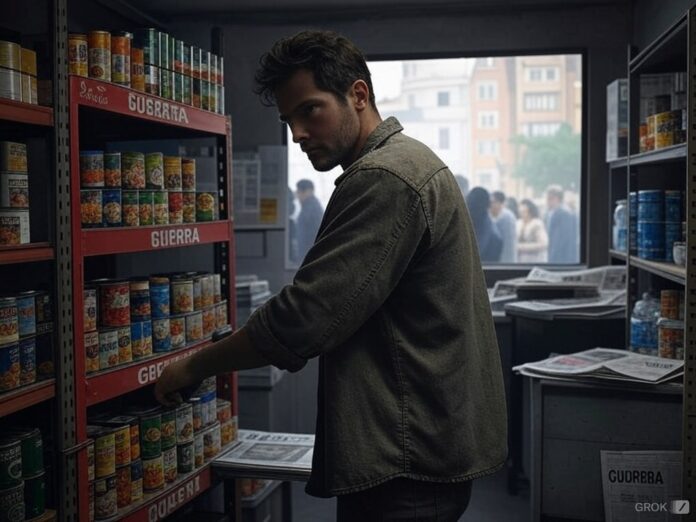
631 186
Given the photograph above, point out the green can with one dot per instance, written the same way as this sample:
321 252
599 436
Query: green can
151 435
205 95
129 208
179 56
154 170
186 60
212 98
10 463
167 84
164 56
178 87
205 206
195 62
148 40
160 204
168 428
172 47
12 503
187 99
35 495
31 445
145 208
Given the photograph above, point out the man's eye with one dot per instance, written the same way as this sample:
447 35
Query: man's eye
310 109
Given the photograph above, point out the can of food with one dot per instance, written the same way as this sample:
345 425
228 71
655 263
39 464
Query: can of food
154 170
188 90
217 288
99 56
207 290
12 503
228 432
137 69
91 208
152 80
176 208
205 95
160 205
172 172
145 207
198 450
130 209
221 318
164 51
9 322
28 59
167 84
178 87
672 235
672 304
186 59
27 360
665 125
651 205
195 61
140 308
120 58
112 169
188 207
92 352
153 474
10 84
25 82
178 56
169 463
205 206
10 55
196 93
224 410
670 338
149 41
161 338
188 174
194 327
197 299
90 460
108 348
122 449
26 313
114 302
168 428
177 329
211 441
104 450
77 54
184 423
126 437
125 350
133 170
10 463
212 97
159 297
13 157
181 295
207 414
196 413
44 356
123 486
150 434
209 319
213 68
44 313
105 497
92 168
9 366
14 227
14 190
136 469
137 341
205 65
111 207
31 449
90 495
89 308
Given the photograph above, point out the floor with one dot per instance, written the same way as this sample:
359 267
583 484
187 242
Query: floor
489 502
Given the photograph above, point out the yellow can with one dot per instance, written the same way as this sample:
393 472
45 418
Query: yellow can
100 55
28 61
77 54
665 125
10 55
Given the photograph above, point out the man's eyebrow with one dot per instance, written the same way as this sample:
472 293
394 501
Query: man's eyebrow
283 118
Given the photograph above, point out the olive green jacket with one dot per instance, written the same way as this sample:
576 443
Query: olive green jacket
392 299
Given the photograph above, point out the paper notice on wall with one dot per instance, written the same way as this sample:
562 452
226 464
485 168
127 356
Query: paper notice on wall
642 486
246 186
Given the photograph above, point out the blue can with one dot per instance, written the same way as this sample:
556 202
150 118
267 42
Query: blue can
633 222
673 206
9 367
140 300
44 357
27 361
26 313
161 336
651 205
159 297
672 234
651 235
111 207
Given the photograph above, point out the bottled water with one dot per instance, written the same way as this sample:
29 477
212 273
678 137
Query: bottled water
644 318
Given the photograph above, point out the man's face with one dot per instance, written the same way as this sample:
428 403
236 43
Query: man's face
326 129
496 207
552 201
302 195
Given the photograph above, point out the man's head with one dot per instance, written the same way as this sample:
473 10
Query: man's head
497 203
305 189
321 84
554 197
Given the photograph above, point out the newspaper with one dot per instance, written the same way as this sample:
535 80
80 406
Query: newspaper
260 454
607 300
607 278
607 363
642 486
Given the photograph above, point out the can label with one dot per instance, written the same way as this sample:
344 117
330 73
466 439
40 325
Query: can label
92 169
130 208
123 486
166 84
194 327
205 206
27 361
197 299
221 318
43 308
153 474
13 157
173 172
145 208
92 352
208 321
184 457
100 64
112 169
77 54
159 298
211 441
133 170
10 464
108 349
168 429
182 296
176 208
90 309
152 80
10 85
114 301
104 453
228 432
150 436
137 340
154 170
9 354
12 507
140 301
177 329
122 445
136 480
217 288
91 208
137 70
14 190
111 207
161 207
207 290
197 413
170 464
125 353
26 315
105 498
161 338
184 424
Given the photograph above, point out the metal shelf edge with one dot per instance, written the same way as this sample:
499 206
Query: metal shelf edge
26 396
666 270
21 112
26 253
675 152
662 40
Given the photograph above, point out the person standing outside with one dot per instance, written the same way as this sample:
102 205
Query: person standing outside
562 226
309 218
391 298
532 240
507 227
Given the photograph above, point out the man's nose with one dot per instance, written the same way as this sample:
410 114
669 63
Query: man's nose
299 133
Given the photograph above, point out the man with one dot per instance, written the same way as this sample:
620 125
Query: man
562 226
391 297
309 218
507 227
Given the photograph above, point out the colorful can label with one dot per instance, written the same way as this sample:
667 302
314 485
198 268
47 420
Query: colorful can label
27 361
188 174
99 55
114 301
208 414
224 410
9 367
44 356
159 297
130 208
167 84
133 170
209 320
108 348
104 450
184 457
137 69
123 486
172 172
10 84
161 207
120 59
228 432
92 352
150 435
122 445
140 308
169 464
91 208
182 296
161 338
92 168
145 207
140 342
211 441
197 298
149 41
14 227
196 412
13 157
10 463
221 318
205 206
168 428
26 314
77 54
112 169
154 170
189 207
217 288
207 290
153 474
105 497
176 208
90 309
194 327
177 329
136 480
184 423
90 461
9 322
14 190
198 450
125 351
152 80
111 207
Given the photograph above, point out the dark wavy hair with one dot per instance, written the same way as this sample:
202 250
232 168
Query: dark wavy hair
333 59
533 209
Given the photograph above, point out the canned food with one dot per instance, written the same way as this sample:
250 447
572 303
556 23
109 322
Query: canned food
120 58
184 423
90 308
195 61
140 300
176 208
159 297
31 448
105 497
26 88
91 208
9 323
167 84
104 450
184 457
136 480
150 435
161 207
154 170
221 99
35 495
209 320
108 348
122 440
141 339
145 208
10 84
44 356
161 338
164 51
153 474
188 174
186 59
27 361
198 450
123 486
224 410
111 207
10 463
213 68
221 318
14 190
126 438
43 308
137 69
114 301
196 413
10 55
172 46
172 172
12 503
133 170
13 157
208 414
188 200
196 93
197 298
152 80
205 206
205 95
168 428
207 290
194 327
177 330
212 97
125 351
177 87
26 313
178 54
205 66
149 41
129 208
181 296
28 59
169 464
228 432
211 441
188 90
77 54
112 169
92 168
217 288
9 367
92 352
90 461
99 55
670 338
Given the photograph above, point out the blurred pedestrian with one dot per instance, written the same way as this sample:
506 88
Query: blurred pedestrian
309 219
507 227
489 241
463 184
562 225
532 240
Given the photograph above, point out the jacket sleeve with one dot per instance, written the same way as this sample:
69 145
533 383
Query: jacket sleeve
372 228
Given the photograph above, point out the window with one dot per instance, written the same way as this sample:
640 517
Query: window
541 101
444 138
488 120
443 99
411 101
540 129
488 147
551 74
484 178
486 63
535 74
487 90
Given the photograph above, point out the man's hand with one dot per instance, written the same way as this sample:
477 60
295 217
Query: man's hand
175 376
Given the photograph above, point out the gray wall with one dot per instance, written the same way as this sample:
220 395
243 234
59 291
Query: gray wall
652 17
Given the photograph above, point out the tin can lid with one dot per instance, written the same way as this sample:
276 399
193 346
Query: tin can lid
663 322
77 35
95 431
35 476
159 280
21 432
28 293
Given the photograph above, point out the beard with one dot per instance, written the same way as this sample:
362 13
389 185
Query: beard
340 151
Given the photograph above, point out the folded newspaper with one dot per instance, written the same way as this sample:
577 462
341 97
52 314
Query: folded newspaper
606 364
261 454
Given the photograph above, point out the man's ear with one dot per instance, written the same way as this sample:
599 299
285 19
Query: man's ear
360 94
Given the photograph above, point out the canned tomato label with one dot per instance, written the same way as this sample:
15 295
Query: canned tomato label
166 84
159 297
14 227
136 469
161 338
105 498
12 504
9 324
198 450
10 55
104 450
211 441
123 486
13 157
188 200
205 206
145 208
172 172
150 435
197 298
169 464
161 207
194 326
217 288
133 170
137 69
221 318
108 348
188 174
130 209
14 190
90 309
31 445
184 457
112 169
10 84
184 423
91 208
10 463
92 352
99 55
114 301
111 207
152 80
125 353
35 495
90 461
168 428
177 329
77 54
182 296
176 208
27 361
154 170
196 413
44 356
208 321
92 168
207 290
26 313
140 309
153 474
120 59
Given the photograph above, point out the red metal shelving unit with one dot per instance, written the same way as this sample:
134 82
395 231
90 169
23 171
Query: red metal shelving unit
26 396
25 113
26 253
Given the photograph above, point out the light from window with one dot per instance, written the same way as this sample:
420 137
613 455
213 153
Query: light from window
444 138
443 99
541 101
487 91
488 120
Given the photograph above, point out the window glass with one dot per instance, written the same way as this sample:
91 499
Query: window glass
443 99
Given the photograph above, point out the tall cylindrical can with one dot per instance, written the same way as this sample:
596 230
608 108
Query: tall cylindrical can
164 51
120 58
137 69
99 55
195 62
112 169
77 54
152 80
154 170
149 41
173 172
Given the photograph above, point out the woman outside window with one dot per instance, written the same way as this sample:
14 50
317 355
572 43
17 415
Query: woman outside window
532 240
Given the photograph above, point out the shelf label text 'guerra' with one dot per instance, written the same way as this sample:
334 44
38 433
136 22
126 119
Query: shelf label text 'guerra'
174 237
174 500
155 108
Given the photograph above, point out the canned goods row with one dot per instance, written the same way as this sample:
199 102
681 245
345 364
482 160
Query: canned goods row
133 208
663 129
177 87
18 73
20 315
27 361
25 501
22 476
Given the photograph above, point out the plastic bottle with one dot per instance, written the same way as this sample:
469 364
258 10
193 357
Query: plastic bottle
644 318
620 229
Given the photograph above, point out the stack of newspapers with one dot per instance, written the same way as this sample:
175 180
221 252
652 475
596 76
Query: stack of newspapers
606 364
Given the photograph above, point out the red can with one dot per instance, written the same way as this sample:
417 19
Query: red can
137 69
176 208
114 303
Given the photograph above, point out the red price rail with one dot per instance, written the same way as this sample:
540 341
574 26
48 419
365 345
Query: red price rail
25 113
26 253
26 396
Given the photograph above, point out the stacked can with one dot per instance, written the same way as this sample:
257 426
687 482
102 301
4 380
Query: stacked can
14 194
228 424
122 434
101 200
206 428
99 55
30 89
670 326
674 207
651 225
141 318
160 305
115 325
151 468
105 490
22 476
78 55
18 73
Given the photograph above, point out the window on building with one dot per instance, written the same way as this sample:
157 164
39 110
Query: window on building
443 99
486 63
487 90
541 101
488 147
443 139
551 74
540 129
488 120
535 74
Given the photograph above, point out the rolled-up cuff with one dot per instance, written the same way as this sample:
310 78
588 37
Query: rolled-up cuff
269 346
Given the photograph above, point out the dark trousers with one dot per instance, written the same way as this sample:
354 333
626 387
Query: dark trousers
405 500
